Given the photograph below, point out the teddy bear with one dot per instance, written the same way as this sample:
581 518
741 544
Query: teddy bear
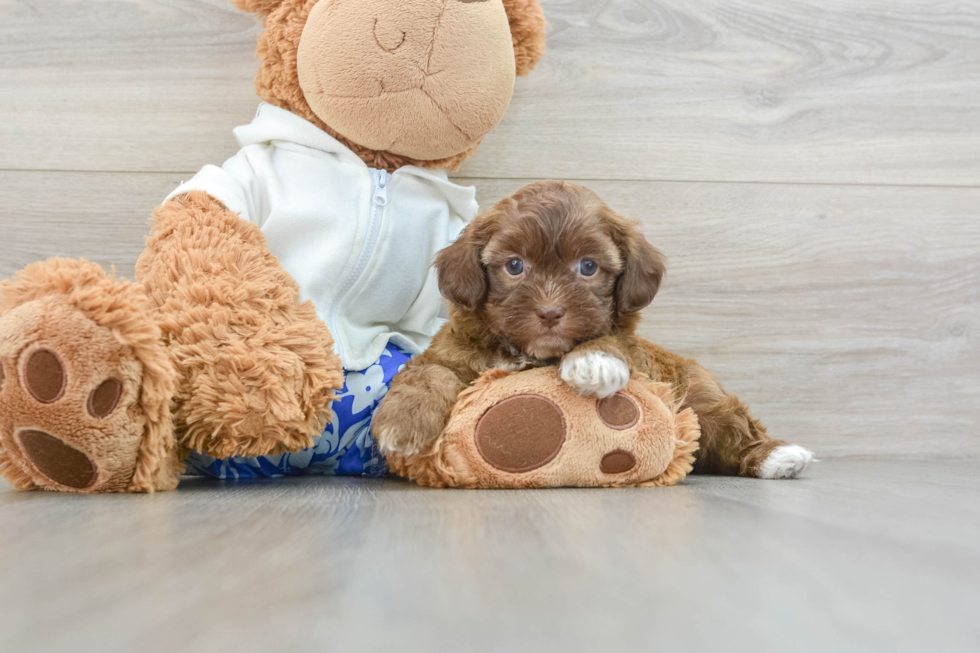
280 292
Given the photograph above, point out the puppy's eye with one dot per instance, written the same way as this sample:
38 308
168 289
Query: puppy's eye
587 267
515 266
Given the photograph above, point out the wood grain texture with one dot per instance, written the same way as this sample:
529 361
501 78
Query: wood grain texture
102 217
845 316
836 91
857 556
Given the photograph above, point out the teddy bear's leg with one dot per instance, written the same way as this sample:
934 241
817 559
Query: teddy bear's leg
732 441
85 384
256 367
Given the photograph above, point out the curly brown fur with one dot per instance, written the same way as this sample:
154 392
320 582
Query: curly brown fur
256 367
528 30
123 309
277 81
499 319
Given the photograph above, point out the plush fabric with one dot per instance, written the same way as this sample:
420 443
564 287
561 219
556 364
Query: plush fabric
255 366
94 328
344 448
530 430
425 79
339 235
278 81
527 29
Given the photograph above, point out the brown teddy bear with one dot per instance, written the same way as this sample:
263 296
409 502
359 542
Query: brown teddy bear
278 292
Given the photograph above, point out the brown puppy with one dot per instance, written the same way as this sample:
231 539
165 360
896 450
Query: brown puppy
553 276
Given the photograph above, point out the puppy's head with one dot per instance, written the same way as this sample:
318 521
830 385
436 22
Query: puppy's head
551 267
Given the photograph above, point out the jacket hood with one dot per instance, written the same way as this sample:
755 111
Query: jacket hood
272 124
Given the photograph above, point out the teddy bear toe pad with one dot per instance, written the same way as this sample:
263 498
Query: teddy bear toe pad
58 461
618 411
44 376
617 462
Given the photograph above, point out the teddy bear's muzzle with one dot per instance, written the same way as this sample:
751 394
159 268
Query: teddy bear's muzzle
424 82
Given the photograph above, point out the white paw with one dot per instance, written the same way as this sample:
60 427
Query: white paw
391 447
594 373
388 443
787 461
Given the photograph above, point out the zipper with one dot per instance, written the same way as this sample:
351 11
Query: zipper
379 199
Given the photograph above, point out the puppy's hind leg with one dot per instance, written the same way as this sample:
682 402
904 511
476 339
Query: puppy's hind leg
732 441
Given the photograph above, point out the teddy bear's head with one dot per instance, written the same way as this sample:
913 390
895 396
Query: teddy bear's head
416 82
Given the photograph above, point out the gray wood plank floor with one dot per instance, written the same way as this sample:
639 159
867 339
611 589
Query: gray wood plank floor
860 555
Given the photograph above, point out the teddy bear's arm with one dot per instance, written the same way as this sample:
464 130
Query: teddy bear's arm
256 366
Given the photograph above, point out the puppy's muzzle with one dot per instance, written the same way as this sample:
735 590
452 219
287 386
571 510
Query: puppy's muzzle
550 315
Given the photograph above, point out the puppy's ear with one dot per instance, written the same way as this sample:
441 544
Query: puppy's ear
644 266
462 279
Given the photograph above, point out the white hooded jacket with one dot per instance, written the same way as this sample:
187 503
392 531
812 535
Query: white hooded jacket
359 242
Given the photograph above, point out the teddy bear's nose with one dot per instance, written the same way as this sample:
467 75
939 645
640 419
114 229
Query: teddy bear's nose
388 37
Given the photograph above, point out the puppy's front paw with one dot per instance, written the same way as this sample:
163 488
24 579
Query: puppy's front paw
594 373
787 461
408 433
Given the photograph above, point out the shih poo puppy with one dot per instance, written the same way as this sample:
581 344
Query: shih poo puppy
553 276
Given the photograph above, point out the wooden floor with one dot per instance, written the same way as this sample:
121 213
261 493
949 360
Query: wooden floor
861 555
812 170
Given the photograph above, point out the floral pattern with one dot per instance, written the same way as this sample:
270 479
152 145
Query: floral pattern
344 448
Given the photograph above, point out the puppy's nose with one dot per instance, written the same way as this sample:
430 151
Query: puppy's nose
550 314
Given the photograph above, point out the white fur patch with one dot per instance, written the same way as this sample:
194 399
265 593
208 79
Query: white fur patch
787 461
594 373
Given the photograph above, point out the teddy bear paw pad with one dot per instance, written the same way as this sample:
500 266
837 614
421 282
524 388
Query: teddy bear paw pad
618 412
617 462
58 461
44 376
520 433
70 418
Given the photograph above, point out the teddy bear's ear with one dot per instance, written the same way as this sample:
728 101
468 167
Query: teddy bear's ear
260 7
527 28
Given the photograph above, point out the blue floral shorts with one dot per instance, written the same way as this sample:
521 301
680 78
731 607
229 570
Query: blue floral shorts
345 447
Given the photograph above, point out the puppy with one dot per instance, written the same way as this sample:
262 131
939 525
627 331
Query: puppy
553 276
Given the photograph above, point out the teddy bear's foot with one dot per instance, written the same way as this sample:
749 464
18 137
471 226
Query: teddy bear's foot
85 384
532 429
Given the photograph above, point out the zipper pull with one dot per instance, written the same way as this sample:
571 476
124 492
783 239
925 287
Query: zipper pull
381 179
